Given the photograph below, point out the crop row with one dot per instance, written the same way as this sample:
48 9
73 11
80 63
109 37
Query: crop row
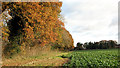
93 58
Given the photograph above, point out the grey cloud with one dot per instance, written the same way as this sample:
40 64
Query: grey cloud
114 22
80 29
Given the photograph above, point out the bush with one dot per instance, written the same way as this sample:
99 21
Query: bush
10 50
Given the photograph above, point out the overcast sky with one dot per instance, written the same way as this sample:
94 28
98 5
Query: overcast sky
91 20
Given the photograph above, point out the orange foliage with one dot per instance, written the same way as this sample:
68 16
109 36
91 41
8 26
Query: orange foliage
41 19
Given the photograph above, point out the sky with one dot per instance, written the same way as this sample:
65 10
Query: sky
91 20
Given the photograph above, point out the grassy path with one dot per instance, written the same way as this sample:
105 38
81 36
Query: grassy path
44 59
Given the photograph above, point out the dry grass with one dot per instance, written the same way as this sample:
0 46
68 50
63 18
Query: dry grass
36 57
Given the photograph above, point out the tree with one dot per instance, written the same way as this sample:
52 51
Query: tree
104 44
65 41
79 46
36 24
34 18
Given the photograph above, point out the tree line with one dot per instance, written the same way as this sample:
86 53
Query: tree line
104 44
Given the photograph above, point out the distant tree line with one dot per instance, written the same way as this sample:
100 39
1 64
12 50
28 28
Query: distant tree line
104 44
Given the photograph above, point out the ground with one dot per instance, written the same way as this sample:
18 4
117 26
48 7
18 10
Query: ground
98 57
45 59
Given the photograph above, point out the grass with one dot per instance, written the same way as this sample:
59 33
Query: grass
45 58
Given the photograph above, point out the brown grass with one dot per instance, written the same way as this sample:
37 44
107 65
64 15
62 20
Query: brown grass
36 57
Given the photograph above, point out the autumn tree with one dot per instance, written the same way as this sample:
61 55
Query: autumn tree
36 24
65 41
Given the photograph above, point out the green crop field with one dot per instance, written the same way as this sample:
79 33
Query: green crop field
93 58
